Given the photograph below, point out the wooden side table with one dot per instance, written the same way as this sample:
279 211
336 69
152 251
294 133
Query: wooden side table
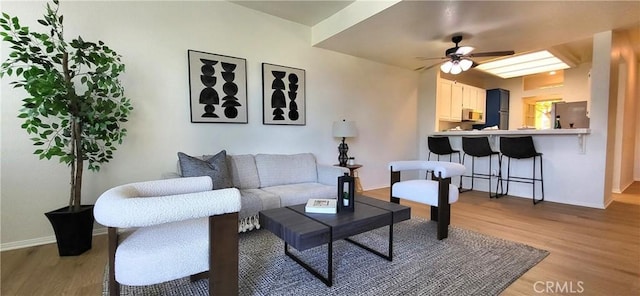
352 172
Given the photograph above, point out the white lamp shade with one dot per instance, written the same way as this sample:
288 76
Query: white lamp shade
466 64
456 69
446 67
344 129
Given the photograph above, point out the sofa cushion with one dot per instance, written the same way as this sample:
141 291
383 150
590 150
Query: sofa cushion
294 194
277 169
243 171
214 167
255 200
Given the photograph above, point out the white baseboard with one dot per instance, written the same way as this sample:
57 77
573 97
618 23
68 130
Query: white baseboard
621 189
40 241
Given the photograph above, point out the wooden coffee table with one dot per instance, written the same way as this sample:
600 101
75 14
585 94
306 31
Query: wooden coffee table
307 230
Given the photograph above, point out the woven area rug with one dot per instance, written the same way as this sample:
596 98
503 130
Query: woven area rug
466 263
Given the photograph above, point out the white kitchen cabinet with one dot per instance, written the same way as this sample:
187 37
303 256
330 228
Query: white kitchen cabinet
469 97
443 100
481 102
473 98
449 100
452 97
456 101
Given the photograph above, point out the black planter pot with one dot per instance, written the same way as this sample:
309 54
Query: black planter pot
74 230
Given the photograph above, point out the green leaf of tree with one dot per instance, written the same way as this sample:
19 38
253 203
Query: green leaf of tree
53 103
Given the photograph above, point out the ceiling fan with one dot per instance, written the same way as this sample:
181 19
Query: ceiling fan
457 58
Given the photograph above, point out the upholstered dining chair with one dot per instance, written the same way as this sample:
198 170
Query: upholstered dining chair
179 227
438 192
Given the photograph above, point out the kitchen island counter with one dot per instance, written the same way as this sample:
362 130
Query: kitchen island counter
564 161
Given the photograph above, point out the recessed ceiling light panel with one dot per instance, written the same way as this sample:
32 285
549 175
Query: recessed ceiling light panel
526 64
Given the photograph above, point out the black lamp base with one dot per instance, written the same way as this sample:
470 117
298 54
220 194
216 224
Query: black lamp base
342 157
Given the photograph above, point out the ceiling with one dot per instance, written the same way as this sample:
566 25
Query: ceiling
411 29
303 12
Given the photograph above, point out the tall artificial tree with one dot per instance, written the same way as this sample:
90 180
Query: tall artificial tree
75 104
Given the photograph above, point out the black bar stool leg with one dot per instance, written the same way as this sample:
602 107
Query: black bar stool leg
499 183
460 188
462 163
533 181
541 179
473 171
490 175
508 174
541 182
498 176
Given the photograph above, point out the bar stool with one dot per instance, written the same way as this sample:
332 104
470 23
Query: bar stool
522 148
440 146
479 147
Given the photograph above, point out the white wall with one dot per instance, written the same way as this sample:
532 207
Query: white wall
427 118
626 112
153 38
636 168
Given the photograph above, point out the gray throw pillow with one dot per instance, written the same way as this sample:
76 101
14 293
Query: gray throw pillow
214 167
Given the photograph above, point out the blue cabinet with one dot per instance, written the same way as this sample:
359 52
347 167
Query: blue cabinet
497 109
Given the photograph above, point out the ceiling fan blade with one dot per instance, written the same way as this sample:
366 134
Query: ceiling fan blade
424 68
425 59
464 50
436 64
491 53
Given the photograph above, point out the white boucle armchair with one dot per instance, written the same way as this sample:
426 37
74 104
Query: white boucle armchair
439 193
181 228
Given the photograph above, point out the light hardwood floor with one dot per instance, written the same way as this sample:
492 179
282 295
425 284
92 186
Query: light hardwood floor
593 252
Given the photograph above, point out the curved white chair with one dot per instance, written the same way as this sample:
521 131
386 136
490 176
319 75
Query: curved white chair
439 193
183 228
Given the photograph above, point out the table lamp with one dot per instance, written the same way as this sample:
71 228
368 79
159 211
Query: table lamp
344 129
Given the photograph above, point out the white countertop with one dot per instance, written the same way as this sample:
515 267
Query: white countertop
531 132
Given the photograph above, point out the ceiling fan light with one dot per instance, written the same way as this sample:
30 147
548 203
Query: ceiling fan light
466 64
446 67
456 69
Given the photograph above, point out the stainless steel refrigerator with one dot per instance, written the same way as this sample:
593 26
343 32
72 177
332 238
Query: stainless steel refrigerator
572 115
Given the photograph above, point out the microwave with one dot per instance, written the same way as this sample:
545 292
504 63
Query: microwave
472 115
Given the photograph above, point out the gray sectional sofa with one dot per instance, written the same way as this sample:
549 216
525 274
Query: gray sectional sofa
269 181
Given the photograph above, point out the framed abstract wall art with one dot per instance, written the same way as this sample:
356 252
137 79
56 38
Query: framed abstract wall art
217 88
283 95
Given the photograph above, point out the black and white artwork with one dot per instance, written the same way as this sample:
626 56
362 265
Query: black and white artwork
283 95
218 88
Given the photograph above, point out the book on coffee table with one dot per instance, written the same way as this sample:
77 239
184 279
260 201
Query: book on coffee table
321 205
